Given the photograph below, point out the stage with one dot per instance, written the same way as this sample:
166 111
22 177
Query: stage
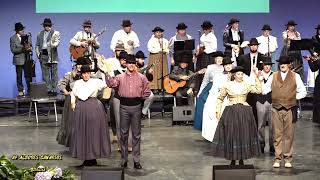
168 152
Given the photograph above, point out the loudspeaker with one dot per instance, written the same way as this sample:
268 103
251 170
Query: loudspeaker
102 174
231 172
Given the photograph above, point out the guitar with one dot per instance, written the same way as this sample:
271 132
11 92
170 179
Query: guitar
171 86
79 51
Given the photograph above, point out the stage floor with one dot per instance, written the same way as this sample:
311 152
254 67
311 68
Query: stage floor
168 153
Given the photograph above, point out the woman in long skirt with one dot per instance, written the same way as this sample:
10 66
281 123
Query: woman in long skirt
236 137
90 139
159 49
206 86
210 121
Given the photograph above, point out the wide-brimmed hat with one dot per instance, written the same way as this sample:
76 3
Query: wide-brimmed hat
267 60
318 27
218 54
284 60
119 47
291 23
237 69
206 25
227 60
155 29
83 61
181 26
253 41
126 23
123 55
85 68
87 23
266 27
47 22
233 20
140 54
130 59
18 26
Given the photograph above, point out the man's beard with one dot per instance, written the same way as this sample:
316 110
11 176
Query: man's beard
123 65
140 65
253 51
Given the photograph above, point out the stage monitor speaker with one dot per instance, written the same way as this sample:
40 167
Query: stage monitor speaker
229 172
102 174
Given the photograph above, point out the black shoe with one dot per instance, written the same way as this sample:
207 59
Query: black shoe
233 162
262 149
137 165
124 165
241 162
93 162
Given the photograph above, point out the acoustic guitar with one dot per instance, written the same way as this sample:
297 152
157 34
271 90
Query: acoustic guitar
79 51
171 86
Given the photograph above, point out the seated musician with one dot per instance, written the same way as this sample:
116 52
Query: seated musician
182 73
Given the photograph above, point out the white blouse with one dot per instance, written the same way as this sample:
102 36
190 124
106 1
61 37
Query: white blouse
154 45
85 89
209 41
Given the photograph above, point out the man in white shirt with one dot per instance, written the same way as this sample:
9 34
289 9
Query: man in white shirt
268 43
126 36
86 39
286 87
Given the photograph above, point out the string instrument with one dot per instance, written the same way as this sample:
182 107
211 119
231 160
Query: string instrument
171 86
201 51
149 66
313 58
79 51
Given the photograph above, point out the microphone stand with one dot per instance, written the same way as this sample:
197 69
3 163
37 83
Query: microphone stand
162 78
269 54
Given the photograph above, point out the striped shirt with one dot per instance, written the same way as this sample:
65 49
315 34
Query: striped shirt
130 85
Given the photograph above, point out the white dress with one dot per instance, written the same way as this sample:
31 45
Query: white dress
209 119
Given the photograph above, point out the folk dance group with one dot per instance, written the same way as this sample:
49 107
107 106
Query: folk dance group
236 93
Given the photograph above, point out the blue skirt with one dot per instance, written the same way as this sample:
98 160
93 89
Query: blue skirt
201 100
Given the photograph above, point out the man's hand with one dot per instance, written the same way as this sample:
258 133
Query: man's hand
172 61
185 78
84 44
66 93
150 71
130 43
202 71
190 91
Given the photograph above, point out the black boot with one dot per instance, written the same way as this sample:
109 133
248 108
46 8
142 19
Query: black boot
241 162
271 151
233 162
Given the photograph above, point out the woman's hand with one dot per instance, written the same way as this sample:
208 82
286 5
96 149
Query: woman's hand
218 115
73 106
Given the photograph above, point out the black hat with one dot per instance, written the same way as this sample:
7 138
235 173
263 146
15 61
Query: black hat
47 22
130 59
140 54
87 23
233 20
83 61
181 26
218 54
267 61
18 26
266 27
206 25
318 27
85 68
253 41
185 58
237 69
291 23
123 55
284 60
227 60
157 29
126 23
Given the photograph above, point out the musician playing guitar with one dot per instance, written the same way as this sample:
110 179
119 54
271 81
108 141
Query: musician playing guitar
86 39
182 73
